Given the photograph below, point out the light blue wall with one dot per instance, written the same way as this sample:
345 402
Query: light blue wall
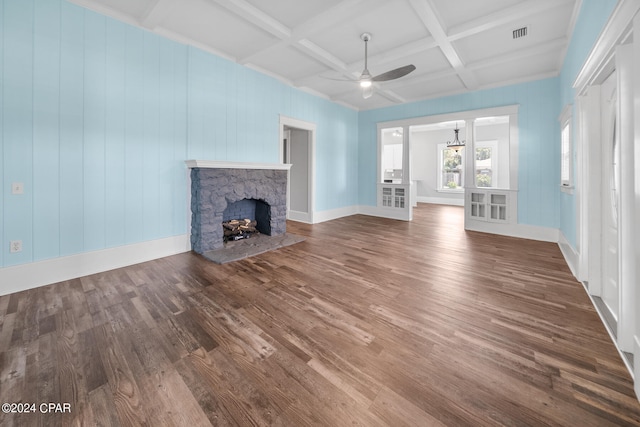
539 174
591 20
97 118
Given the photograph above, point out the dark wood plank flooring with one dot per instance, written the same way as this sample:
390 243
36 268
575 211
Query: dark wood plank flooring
368 322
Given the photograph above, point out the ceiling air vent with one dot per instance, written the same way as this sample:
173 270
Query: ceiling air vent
520 32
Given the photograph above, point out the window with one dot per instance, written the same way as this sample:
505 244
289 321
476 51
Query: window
566 150
486 162
450 169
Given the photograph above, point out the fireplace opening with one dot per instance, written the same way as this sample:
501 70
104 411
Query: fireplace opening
245 217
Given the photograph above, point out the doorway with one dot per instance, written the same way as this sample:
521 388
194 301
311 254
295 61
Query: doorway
607 201
298 149
610 179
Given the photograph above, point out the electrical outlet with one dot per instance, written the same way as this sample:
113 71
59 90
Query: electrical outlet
17 188
15 246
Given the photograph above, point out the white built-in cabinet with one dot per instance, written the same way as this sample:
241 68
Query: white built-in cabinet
488 205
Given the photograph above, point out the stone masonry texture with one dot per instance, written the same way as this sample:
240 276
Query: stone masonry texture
213 189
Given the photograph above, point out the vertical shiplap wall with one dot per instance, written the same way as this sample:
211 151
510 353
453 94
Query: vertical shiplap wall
538 174
17 123
97 118
591 20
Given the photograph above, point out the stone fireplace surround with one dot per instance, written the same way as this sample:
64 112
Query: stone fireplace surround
215 185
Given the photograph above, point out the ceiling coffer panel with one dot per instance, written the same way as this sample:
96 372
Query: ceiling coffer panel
541 29
218 28
430 88
293 13
284 59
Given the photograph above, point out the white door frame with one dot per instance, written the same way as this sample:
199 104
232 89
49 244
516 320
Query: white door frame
311 128
606 56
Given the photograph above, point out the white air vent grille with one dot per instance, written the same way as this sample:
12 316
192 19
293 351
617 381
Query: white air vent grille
520 32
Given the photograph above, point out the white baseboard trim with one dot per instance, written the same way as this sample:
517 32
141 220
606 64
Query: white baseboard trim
390 213
523 231
40 273
636 365
300 217
441 200
636 345
570 255
323 216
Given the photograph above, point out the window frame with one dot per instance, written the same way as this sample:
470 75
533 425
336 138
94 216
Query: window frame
439 169
566 149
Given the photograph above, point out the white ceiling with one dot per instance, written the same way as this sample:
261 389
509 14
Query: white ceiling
456 45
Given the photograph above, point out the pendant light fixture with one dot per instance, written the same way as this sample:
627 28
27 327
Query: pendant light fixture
456 144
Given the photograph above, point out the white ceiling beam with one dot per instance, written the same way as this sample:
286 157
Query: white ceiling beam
503 17
408 50
106 10
343 11
315 51
156 12
249 12
422 79
427 14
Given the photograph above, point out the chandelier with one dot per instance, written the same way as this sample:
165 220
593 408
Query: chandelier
456 144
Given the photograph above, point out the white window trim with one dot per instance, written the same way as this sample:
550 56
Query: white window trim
566 185
441 147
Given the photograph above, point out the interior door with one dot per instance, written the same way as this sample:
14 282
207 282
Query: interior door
299 158
610 196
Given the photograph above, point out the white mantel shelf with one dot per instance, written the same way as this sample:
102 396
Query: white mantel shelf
212 164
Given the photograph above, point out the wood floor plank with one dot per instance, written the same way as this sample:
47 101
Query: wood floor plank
124 388
369 321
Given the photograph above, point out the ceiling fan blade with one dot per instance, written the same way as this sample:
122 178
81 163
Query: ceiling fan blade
394 74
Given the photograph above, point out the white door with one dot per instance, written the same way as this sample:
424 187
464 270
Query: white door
610 197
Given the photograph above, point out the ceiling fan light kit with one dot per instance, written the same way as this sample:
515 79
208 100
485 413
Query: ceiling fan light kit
366 80
365 83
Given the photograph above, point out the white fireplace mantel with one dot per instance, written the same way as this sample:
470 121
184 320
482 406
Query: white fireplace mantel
212 164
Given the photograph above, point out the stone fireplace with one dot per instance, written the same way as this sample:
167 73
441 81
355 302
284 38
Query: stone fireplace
221 191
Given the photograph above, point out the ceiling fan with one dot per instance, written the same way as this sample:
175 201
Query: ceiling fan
366 79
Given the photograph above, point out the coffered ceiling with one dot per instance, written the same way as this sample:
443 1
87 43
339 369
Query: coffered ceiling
456 45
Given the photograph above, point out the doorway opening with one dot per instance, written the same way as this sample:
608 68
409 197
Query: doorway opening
419 160
297 139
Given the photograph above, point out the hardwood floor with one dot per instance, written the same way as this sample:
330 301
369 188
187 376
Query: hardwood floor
368 322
